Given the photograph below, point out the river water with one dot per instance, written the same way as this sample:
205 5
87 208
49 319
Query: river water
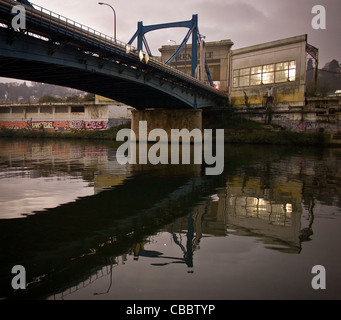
85 227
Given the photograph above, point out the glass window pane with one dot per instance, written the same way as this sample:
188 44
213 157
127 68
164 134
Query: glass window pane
62 109
282 66
279 66
5 110
17 109
235 82
281 76
292 64
244 81
256 79
236 73
268 68
46 109
292 74
244 72
268 77
255 70
77 109
32 109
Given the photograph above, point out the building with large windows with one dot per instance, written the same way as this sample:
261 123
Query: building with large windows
275 69
267 82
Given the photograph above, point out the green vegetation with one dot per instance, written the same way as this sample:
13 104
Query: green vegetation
242 131
89 97
276 137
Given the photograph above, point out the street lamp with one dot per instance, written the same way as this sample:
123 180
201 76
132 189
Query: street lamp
106 4
176 59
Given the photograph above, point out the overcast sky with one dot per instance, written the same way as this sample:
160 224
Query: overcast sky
245 22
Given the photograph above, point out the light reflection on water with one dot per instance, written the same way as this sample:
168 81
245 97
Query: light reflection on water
93 229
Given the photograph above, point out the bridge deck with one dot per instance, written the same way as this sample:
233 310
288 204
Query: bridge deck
60 30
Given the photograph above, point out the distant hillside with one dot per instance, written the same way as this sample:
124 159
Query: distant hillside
20 92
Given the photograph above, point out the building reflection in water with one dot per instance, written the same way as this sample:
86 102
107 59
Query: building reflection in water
272 201
236 209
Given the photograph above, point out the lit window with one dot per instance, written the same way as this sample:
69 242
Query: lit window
256 76
292 70
244 72
285 71
281 76
236 78
266 74
268 68
268 77
244 81
235 82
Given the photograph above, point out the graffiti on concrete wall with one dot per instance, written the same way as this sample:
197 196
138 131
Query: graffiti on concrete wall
41 124
95 124
76 124
55 125
61 125
13 124
294 125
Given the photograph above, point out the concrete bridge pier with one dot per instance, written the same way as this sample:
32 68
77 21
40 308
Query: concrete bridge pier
166 119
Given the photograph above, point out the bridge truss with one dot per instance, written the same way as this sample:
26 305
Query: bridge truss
192 25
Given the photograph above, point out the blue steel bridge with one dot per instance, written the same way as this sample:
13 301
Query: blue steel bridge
56 50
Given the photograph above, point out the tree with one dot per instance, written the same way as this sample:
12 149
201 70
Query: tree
334 66
49 99
310 64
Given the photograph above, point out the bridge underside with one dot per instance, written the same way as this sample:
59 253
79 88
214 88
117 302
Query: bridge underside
29 58
139 97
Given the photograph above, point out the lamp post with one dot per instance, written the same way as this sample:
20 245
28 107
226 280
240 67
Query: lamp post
106 4
176 59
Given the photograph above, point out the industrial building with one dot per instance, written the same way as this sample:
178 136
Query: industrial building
103 114
276 69
267 82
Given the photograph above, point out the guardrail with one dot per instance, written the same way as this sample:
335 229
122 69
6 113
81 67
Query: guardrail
64 26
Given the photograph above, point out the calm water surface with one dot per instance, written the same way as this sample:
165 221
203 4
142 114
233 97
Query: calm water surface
86 227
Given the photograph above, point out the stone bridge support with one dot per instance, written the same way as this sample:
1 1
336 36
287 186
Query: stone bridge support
166 119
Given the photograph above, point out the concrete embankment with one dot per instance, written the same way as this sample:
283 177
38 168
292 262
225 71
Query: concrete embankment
237 131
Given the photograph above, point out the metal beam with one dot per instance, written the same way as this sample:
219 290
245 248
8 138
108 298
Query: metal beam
192 25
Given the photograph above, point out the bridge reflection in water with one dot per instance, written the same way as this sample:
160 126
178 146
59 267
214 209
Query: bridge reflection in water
156 216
